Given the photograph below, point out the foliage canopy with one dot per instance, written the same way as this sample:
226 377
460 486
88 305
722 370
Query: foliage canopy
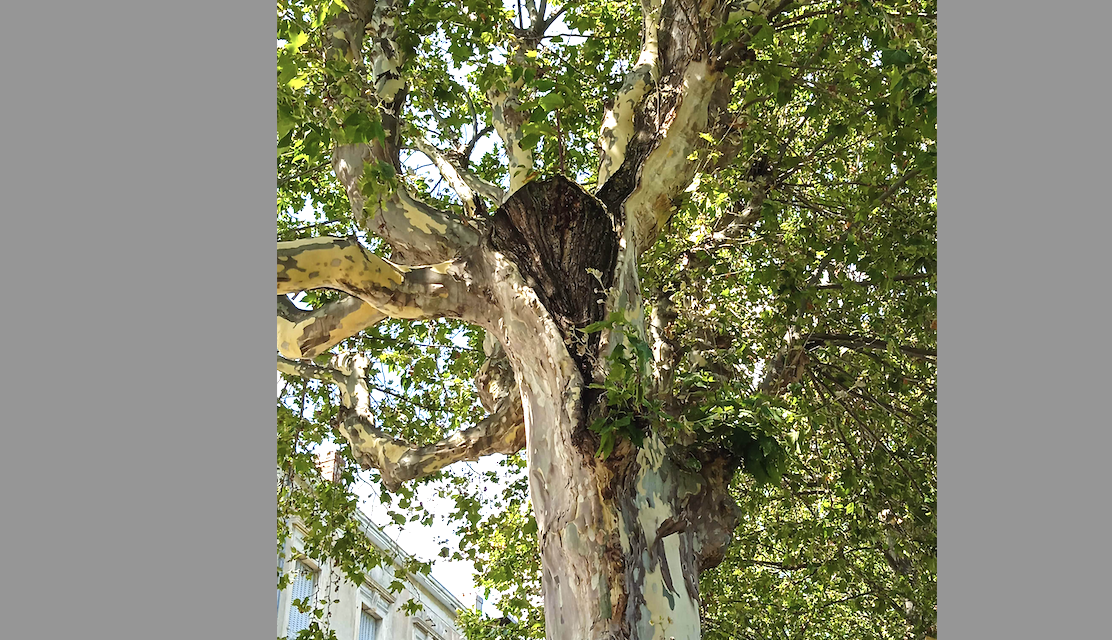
795 283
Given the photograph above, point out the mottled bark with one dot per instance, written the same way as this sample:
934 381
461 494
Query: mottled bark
307 334
418 233
622 540
617 125
397 291
507 119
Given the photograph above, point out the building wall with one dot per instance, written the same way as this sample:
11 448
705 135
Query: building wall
436 621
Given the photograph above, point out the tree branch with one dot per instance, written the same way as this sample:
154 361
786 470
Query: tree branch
667 170
662 135
507 123
617 124
479 133
464 183
853 341
307 334
394 290
418 232
849 227
305 369
503 431
302 174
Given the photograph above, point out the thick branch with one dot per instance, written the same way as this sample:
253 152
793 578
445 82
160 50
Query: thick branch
418 233
307 334
853 341
500 432
507 123
617 125
503 431
667 170
650 144
790 364
396 291
665 355
304 369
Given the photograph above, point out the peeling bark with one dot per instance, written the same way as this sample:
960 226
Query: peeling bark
622 540
307 334
653 201
617 125
507 123
419 233
504 110
395 290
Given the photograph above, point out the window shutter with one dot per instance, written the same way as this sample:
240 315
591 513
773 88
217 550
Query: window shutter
302 585
367 624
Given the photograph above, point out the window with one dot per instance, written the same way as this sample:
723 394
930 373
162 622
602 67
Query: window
368 625
303 584
419 634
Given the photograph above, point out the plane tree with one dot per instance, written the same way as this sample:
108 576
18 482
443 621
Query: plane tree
674 259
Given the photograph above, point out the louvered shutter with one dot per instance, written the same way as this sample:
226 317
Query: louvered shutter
367 625
302 585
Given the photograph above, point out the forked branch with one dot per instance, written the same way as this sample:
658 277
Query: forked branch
503 431
418 232
396 291
307 334
466 185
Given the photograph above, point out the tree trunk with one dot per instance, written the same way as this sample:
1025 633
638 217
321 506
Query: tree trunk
622 540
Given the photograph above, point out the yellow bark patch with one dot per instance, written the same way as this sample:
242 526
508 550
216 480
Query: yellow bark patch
422 221
287 339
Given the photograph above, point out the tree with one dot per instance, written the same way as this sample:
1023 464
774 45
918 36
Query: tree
698 240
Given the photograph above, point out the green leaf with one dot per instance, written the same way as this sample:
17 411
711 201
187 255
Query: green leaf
530 140
552 101
296 41
606 445
894 57
636 436
763 38
595 327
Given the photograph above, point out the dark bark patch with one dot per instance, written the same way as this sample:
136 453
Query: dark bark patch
554 231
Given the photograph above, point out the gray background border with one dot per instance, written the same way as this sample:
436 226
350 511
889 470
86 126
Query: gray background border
139 442
1023 136
137 170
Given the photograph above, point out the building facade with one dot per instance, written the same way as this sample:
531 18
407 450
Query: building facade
368 611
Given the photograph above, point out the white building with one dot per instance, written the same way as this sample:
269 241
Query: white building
368 611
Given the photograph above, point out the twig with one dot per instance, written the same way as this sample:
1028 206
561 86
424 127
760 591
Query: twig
302 174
